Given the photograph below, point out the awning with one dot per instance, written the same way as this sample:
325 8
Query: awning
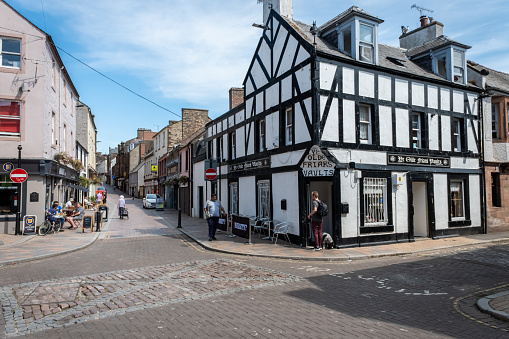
79 188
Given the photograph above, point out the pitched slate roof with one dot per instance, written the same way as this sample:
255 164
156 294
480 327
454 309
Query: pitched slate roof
441 41
495 79
389 57
354 10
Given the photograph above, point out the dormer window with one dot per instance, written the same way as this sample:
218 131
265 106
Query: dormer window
450 64
347 40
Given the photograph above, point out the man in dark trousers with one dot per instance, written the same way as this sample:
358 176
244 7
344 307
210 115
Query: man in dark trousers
316 221
213 210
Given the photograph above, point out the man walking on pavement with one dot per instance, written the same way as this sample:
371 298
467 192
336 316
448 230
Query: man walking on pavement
212 210
316 221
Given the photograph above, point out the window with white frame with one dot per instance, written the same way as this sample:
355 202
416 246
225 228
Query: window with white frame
456 134
289 126
10 52
458 67
234 197
457 200
375 201
366 43
264 199
261 135
494 121
365 124
416 131
10 117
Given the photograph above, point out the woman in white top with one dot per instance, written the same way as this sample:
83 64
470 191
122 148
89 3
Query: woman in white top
121 206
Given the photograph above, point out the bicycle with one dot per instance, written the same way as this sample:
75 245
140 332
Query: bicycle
48 226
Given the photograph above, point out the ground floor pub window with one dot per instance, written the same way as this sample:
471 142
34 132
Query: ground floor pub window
264 199
457 200
7 194
375 202
234 198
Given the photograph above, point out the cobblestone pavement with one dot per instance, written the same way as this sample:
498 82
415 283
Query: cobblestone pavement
148 282
36 306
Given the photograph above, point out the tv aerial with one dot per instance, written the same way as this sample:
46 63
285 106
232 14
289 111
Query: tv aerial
421 9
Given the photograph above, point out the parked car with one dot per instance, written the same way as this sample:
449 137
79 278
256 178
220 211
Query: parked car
150 200
103 192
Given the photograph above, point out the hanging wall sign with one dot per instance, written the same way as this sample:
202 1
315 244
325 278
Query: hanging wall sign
316 164
416 160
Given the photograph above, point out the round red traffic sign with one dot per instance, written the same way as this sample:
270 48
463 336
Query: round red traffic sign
18 175
210 174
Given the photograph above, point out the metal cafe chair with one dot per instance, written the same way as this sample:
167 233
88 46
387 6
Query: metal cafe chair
281 228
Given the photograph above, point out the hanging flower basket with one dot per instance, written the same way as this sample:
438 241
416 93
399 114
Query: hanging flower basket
83 182
183 180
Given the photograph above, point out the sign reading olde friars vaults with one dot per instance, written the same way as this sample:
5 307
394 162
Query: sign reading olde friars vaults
316 164
401 159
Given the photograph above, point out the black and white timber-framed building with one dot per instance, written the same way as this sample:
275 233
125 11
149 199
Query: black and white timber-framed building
388 136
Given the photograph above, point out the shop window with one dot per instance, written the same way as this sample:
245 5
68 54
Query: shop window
495 190
10 117
365 122
7 195
234 197
457 200
10 52
375 202
264 199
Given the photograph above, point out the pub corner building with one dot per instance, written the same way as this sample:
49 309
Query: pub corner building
390 137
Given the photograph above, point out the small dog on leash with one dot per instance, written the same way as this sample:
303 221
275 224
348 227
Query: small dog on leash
327 241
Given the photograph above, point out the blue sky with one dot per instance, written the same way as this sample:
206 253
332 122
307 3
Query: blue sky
189 53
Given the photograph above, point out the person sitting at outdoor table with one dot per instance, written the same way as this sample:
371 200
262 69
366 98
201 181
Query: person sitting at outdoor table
69 203
78 214
53 211
58 207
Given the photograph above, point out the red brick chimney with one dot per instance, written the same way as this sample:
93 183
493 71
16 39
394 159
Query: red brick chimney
236 97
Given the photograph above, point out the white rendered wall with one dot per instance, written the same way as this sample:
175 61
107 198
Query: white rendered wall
348 81
433 131
247 196
433 97
462 163
330 130
198 180
241 143
272 127
458 103
384 88
401 91
417 94
402 131
278 48
350 195
259 102
358 156
272 96
286 62
286 159
445 99
474 187
366 84
327 72
385 120
441 201
301 127
286 186
252 136
349 128
304 78
286 88
471 127
446 133
400 204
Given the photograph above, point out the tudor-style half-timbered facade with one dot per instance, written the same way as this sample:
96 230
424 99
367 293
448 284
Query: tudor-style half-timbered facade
391 145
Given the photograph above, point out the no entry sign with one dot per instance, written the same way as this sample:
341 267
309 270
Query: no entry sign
18 175
210 174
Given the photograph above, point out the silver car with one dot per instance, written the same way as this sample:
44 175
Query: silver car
150 200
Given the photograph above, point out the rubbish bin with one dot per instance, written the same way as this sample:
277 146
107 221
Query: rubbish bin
99 220
104 211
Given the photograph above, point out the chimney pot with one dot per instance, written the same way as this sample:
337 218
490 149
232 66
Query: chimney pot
424 20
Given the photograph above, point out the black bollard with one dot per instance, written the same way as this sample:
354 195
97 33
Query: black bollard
179 220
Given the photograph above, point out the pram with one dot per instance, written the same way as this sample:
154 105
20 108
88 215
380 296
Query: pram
125 213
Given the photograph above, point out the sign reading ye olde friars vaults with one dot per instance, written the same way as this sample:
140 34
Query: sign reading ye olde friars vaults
316 164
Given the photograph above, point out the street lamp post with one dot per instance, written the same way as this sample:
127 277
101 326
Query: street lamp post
18 210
